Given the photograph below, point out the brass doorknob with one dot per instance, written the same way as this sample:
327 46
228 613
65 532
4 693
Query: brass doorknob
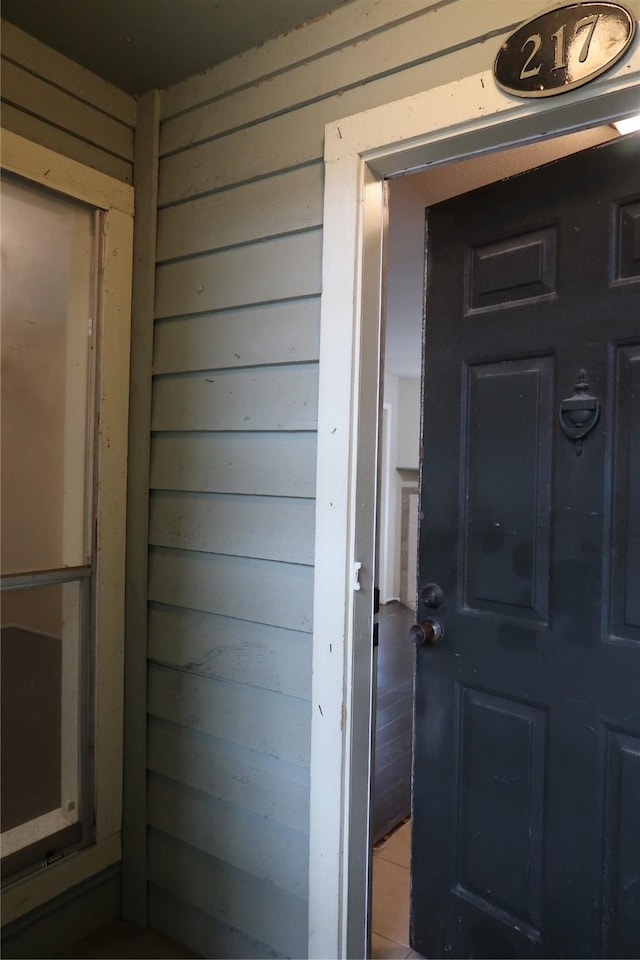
427 633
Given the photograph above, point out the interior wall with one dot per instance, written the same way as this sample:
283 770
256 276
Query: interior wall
408 422
388 540
399 470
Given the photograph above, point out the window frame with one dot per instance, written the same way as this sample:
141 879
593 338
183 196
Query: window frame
114 201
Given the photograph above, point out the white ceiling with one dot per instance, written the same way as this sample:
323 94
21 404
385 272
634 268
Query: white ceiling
142 44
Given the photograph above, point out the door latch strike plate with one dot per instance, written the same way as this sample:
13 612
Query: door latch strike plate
357 567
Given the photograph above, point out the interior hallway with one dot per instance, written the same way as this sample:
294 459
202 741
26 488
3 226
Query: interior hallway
394 717
392 785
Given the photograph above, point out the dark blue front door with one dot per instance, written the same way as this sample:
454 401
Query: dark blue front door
526 794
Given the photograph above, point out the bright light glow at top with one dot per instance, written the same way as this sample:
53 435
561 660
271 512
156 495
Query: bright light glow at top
630 125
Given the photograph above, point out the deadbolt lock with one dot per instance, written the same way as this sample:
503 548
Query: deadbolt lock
432 596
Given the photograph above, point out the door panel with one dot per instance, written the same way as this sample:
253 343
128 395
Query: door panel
526 799
507 429
511 271
628 242
501 792
622 846
626 543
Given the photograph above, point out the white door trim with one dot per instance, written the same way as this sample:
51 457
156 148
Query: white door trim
459 119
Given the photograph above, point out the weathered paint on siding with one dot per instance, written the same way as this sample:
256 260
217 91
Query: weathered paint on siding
50 99
271 464
258 398
272 788
273 528
266 334
233 446
258 654
230 834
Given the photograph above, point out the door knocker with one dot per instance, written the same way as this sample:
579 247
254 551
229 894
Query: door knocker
579 413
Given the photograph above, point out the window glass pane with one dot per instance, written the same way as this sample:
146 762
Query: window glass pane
41 687
48 258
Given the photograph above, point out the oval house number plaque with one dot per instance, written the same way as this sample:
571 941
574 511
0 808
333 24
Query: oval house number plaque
563 48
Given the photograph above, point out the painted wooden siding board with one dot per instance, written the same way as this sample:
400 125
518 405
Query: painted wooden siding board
378 55
266 850
271 788
262 527
30 93
256 273
297 137
51 100
47 63
264 149
340 29
270 723
224 892
283 203
280 594
260 398
267 334
269 657
31 128
269 464
208 937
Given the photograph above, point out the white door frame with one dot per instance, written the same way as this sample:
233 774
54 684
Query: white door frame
466 117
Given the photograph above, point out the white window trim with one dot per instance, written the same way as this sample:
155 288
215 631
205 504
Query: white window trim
459 119
72 179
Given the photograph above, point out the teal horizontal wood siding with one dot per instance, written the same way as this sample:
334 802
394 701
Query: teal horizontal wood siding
53 101
264 463
228 710
209 936
259 398
243 275
245 839
264 335
233 451
264 591
258 654
269 528
270 787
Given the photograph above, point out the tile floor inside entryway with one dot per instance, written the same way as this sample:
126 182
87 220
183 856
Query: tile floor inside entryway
390 901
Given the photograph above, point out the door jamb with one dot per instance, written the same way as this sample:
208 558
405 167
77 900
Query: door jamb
460 119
